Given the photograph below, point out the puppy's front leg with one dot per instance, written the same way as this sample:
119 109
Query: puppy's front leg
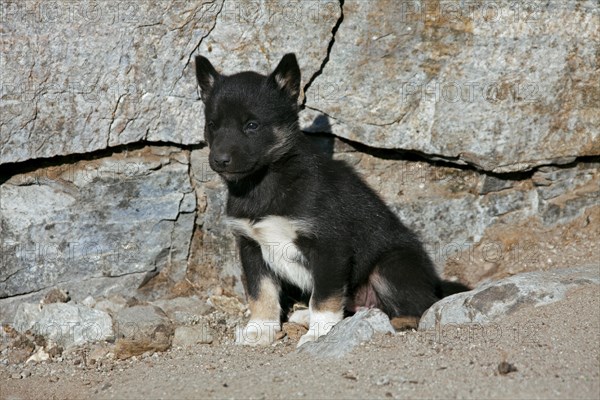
324 315
326 306
263 292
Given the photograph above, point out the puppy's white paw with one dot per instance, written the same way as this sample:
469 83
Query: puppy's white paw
317 329
301 317
257 333
309 336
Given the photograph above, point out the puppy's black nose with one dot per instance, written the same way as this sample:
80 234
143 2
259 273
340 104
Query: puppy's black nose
222 159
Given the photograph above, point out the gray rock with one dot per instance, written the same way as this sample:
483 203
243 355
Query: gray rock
565 192
89 302
141 84
26 316
495 300
65 324
100 227
141 323
349 333
186 336
111 305
183 310
489 84
494 184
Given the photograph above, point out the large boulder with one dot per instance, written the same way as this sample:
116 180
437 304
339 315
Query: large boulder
500 85
96 227
495 300
79 77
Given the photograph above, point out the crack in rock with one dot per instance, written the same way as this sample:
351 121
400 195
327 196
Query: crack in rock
198 45
112 121
326 59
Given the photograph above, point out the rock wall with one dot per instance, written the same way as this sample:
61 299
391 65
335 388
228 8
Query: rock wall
493 84
477 122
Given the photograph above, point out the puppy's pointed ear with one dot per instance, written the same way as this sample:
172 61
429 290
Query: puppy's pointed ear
206 75
287 76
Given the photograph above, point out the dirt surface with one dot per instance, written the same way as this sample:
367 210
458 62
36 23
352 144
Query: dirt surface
555 350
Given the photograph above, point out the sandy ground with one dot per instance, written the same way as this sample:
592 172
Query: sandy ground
555 349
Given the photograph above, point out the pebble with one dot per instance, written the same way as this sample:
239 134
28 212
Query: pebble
384 380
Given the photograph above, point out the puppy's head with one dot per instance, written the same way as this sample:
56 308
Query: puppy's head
251 119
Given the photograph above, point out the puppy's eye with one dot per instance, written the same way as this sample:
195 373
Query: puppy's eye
251 126
210 124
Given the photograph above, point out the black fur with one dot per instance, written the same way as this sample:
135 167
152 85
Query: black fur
270 167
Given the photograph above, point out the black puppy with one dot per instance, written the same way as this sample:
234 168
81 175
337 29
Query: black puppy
302 218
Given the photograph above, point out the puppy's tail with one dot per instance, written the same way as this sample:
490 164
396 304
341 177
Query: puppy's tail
447 288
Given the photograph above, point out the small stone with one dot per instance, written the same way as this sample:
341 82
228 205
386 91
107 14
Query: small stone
39 356
142 328
18 356
506 368
53 378
141 322
349 334
16 375
55 351
217 291
89 302
186 336
184 310
280 335
112 305
228 305
293 331
384 380
350 375
25 374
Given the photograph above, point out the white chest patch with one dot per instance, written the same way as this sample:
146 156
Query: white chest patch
276 236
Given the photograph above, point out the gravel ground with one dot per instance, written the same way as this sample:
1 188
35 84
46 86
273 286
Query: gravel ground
555 350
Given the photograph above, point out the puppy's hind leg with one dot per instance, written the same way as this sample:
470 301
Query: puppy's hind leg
405 282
